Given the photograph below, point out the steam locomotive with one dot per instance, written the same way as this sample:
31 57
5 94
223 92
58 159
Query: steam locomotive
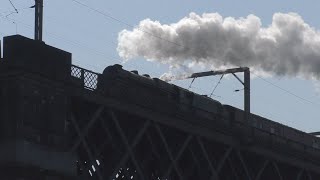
172 100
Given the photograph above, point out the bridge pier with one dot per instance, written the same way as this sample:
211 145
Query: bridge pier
33 112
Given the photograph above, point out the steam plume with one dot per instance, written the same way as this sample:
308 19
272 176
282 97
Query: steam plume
288 46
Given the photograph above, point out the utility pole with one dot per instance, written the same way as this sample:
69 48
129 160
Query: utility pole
38 20
246 84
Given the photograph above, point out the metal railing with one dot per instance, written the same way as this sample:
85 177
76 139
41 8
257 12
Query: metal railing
88 79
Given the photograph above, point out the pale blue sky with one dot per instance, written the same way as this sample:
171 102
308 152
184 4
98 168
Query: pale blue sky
92 38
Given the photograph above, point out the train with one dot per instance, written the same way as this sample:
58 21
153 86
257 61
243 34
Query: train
172 100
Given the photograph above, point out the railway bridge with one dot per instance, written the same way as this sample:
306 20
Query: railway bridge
57 125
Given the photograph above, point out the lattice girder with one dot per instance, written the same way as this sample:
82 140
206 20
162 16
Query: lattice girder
113 144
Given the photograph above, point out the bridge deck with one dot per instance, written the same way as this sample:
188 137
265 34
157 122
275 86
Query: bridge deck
145 144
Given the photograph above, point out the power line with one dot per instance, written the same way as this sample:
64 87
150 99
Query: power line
13 6
72 42
108 15
286 91
131 26
56 21
124 23
68 41
11 12
15 10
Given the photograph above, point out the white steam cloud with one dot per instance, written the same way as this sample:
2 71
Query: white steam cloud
288 46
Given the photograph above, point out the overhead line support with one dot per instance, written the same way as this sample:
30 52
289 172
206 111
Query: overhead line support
38 20
246 83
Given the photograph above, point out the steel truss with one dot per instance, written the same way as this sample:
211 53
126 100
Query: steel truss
113 144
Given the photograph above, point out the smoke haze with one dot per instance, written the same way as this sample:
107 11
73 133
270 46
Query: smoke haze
288 46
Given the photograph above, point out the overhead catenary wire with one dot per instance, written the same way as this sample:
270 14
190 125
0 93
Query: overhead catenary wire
129 25
16 10
108 15
286 91
69 41
65 39
216 85
72 42
8 13
12 12
191 83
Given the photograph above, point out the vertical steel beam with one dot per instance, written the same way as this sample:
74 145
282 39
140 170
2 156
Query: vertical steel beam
174 164
85 131
125 141
215 175
109 136
277 169
233 169
223 160
265 164
300 174
134 143
244 165
309 175
195 160
175 161
153 149
86 146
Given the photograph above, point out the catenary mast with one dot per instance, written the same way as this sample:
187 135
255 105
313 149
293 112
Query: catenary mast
38 20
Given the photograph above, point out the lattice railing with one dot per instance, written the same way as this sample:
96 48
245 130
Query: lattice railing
88 79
